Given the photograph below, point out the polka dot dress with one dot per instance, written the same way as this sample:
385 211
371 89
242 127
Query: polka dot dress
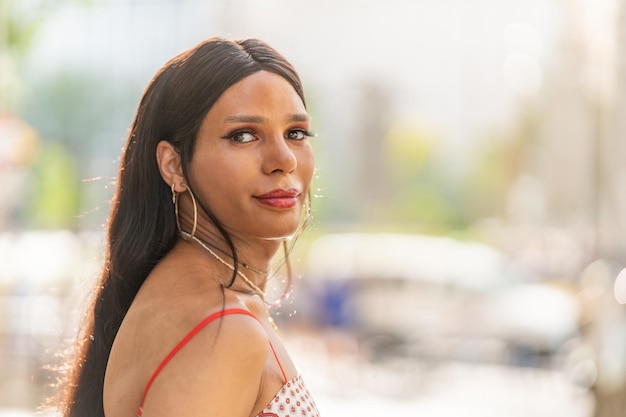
293 400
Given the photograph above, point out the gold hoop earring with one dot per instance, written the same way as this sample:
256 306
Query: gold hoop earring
307 217
287 250
307 208
289 271
195 210
175 202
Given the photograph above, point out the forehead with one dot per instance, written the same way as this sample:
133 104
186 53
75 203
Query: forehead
262 93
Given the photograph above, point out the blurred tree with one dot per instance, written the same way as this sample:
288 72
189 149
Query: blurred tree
73 108
55 189
504 157
19 144
20 23
74 111
66 110
425 196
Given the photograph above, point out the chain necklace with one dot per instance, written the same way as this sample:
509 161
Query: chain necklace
247 280
253 269
245 265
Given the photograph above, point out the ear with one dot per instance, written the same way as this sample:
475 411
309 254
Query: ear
170 165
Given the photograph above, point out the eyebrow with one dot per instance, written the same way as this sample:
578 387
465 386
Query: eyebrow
242 118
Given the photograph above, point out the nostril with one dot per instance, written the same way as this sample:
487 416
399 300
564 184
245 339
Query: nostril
280 160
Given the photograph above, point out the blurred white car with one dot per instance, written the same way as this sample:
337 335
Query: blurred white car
437 298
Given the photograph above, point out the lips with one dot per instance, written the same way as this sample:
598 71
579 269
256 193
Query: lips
279 198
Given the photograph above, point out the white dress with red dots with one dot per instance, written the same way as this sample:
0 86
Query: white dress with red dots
293 399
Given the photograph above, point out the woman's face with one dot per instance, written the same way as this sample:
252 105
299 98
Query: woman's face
253 163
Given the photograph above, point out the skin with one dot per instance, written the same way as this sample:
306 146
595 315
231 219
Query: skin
228 369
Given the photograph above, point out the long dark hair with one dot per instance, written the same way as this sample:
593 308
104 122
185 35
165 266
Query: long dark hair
142 224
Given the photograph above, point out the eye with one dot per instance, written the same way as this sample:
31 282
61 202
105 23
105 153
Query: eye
298 134
241 136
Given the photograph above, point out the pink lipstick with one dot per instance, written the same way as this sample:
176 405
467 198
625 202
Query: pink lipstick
280 199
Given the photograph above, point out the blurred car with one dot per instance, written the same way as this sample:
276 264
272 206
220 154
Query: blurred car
437 299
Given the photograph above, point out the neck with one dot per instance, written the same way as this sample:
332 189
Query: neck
256 287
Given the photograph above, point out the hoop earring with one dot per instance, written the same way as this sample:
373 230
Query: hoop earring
195 210
307 207
287 290
175 202
307 217
286 249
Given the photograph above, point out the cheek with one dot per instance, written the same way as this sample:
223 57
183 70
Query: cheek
213 180
215 167
307 164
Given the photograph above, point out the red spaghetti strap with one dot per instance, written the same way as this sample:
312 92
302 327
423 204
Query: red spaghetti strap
187 338
280 365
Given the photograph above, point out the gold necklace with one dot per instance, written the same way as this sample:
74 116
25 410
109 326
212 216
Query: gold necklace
253 269
245 265
247 280
256 289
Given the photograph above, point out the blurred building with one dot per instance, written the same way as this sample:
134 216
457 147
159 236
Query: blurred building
612 163
572 175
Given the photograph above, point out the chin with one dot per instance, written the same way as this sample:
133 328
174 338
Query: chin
278 235
279 230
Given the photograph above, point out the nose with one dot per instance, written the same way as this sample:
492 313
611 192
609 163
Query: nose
278 156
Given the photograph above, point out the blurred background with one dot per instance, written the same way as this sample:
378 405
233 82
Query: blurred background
470 203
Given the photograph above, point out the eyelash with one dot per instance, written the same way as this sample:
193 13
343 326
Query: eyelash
233 135
305 133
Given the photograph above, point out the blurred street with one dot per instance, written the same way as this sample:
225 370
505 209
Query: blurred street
345 386
471 391
439 354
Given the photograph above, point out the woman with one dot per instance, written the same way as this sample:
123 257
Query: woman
214 178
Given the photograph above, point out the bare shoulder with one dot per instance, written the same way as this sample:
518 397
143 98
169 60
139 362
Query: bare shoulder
218 372
217 356
223 354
